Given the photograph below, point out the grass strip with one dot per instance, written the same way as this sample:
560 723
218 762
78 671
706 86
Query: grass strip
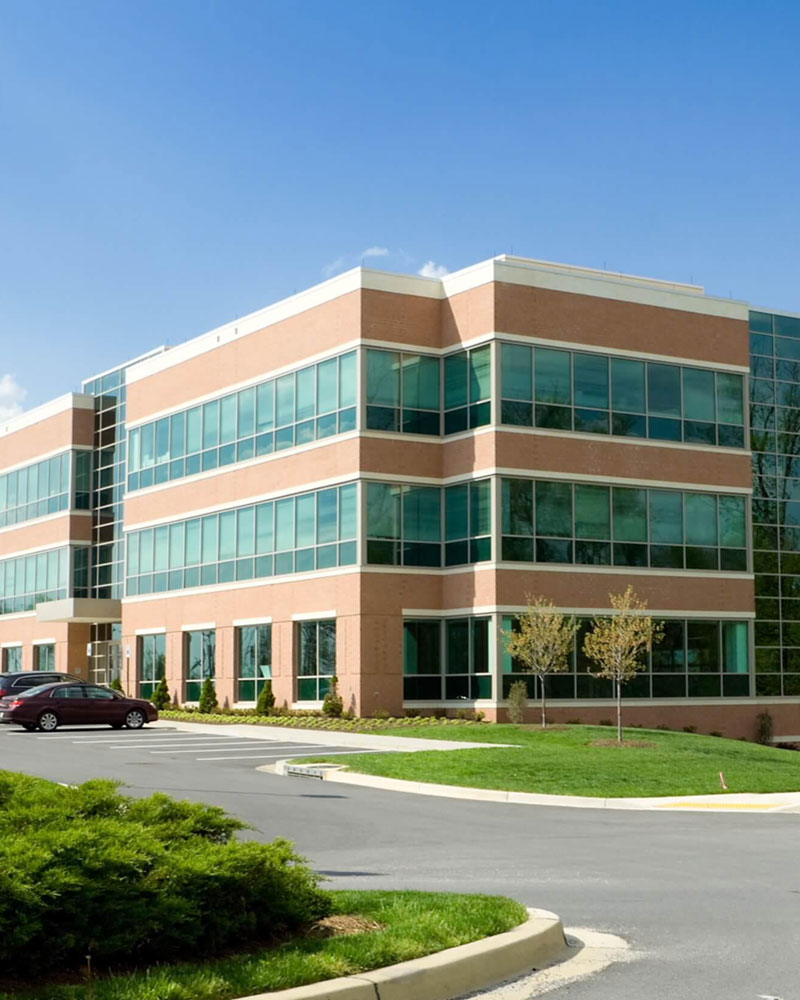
567 760
413 924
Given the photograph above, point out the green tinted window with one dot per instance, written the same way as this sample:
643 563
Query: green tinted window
516 372
517 511
420 382
422 513
552 373
455 380
732 523
730 403
592 512
666 516
701 519
630 514
480 373
554 509
590 380
383 378
664 390
627 385
698 394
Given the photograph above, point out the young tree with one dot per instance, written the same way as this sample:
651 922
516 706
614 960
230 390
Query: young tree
161 695
208 703
541 642
617 645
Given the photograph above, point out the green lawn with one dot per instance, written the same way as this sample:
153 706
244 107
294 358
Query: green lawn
563 761
414 924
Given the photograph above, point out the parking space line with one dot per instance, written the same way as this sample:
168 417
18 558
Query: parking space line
243 746
283 753
195 741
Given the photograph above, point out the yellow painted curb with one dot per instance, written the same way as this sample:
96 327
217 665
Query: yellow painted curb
538 942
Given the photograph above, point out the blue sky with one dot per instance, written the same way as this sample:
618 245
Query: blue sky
166 166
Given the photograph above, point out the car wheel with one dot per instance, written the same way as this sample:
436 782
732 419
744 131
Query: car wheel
134 719
47 722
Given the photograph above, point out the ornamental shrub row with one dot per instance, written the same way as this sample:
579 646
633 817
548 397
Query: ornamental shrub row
310 720
88 871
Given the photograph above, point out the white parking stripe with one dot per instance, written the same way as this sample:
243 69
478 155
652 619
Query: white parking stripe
242 746
256 756
195 746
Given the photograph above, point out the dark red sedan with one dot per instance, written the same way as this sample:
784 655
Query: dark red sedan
53 705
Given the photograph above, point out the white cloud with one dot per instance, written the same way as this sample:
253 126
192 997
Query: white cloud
431 270
11 396
375 252
333 267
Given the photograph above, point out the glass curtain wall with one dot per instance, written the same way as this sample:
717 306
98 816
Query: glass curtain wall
313 531
544 521
695 659
308 405
597 394
44 488
775 443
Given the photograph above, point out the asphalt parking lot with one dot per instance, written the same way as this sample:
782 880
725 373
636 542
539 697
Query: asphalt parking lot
168 746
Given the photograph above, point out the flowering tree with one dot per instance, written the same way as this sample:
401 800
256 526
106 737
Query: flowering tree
541 642
618 645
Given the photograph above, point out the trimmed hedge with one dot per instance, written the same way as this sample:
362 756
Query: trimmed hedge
311 721
88 871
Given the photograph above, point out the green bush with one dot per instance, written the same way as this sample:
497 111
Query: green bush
266 699
332 704
87 871
116 685
161 697
208 698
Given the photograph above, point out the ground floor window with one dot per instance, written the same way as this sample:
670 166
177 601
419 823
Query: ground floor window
698 658
316 658
152 662
446 659
12 659
254 657
44 656
200 650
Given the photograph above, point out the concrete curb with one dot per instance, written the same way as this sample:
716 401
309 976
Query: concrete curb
732 802
538 942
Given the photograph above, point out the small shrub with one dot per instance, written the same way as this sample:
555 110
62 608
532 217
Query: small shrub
764 728
208 698
116 685
332 704
266 699
573 722
690 729
663 729
381 714
517 702
161 695
605 722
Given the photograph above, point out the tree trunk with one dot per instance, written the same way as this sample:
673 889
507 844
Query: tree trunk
544 703
619 712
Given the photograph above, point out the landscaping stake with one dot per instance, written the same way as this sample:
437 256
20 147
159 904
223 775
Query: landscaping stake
722 781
